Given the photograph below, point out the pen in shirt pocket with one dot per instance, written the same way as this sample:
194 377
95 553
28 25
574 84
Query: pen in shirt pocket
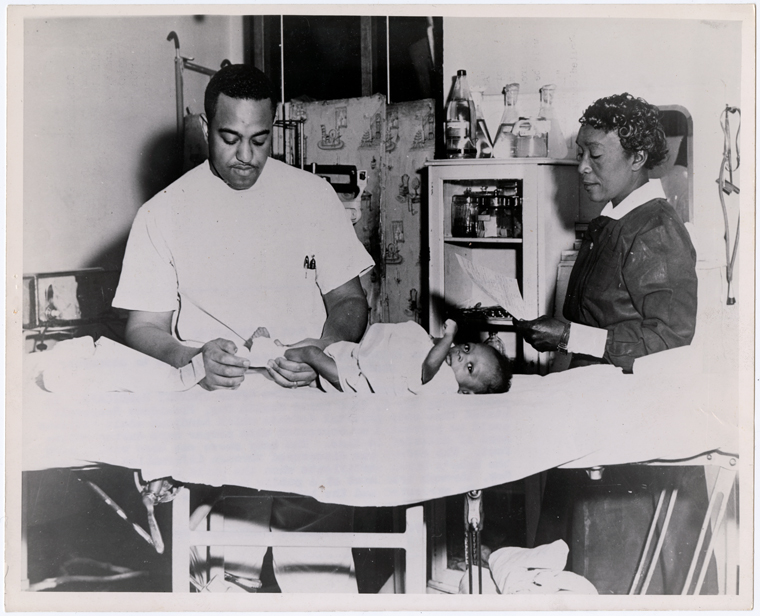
309 264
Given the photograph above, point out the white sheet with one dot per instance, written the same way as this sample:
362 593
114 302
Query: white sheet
377 450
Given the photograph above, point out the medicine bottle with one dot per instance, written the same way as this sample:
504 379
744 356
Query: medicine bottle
505 142
556 144
460 120
483 143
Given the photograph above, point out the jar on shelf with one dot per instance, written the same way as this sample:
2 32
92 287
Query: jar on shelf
532 136
533 133
556 144
473 210
504 216
517 226
505 141
464 215
487 215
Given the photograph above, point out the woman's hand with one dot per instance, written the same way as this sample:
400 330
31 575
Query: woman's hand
543 333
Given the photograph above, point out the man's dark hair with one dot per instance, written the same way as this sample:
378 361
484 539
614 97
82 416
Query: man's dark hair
637 124
501 377
238 81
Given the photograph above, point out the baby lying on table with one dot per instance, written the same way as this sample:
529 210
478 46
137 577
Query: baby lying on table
399 358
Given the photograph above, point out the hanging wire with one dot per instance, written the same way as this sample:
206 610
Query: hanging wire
727 187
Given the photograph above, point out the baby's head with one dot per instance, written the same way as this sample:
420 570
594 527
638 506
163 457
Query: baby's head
479 368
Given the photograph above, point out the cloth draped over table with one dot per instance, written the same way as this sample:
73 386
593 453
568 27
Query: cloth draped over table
377 450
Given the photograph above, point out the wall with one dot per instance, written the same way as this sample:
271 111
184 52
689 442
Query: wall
99 126
688 62
695 64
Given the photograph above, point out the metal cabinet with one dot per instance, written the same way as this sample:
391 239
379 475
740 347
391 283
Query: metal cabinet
549 197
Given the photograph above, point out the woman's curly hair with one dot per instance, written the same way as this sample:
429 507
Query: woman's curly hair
637 124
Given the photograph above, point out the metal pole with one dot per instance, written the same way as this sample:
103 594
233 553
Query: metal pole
282 66
178 66
388 59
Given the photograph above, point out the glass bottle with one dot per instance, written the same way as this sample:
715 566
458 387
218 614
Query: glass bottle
464 215
473 210
556 146
517 227
487 215
460 120
505 142
503 216
483 143
459 206
531 138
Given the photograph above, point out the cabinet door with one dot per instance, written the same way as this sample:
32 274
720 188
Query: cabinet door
558 209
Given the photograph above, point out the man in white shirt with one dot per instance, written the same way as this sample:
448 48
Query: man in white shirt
235 245
222 251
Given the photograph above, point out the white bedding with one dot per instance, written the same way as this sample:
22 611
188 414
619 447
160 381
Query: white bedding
377 450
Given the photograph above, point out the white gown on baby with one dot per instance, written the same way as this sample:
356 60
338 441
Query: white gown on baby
388 360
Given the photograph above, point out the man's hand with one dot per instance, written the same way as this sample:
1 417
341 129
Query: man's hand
543 333
301 354
150 333
347 314
224 369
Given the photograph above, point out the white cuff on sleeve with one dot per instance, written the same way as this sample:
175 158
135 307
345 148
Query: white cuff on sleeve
194 372
587 340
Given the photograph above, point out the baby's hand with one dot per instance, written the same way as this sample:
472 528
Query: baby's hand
450 328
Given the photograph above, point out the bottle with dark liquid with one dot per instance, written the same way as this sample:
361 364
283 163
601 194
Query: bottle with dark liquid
460 120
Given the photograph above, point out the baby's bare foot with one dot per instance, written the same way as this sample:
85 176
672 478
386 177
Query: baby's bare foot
261 332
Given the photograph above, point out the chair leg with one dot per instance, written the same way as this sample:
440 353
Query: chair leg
416 551
645 552
399 567
25 513
660 541
722 488
181 542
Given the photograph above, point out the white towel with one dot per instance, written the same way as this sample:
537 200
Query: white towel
536 570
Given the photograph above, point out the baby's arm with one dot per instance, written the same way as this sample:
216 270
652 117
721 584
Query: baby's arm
438 353
322 364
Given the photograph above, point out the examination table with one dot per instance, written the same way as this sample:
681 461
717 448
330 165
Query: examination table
375 450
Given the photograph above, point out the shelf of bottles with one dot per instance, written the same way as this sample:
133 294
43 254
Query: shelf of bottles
517 135
477 214
513 217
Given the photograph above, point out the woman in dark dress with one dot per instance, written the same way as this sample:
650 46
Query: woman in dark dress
632 292
633 289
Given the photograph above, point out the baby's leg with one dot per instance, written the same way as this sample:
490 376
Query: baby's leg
323 364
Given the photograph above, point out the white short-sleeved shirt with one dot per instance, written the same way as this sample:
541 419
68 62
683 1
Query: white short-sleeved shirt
211 254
